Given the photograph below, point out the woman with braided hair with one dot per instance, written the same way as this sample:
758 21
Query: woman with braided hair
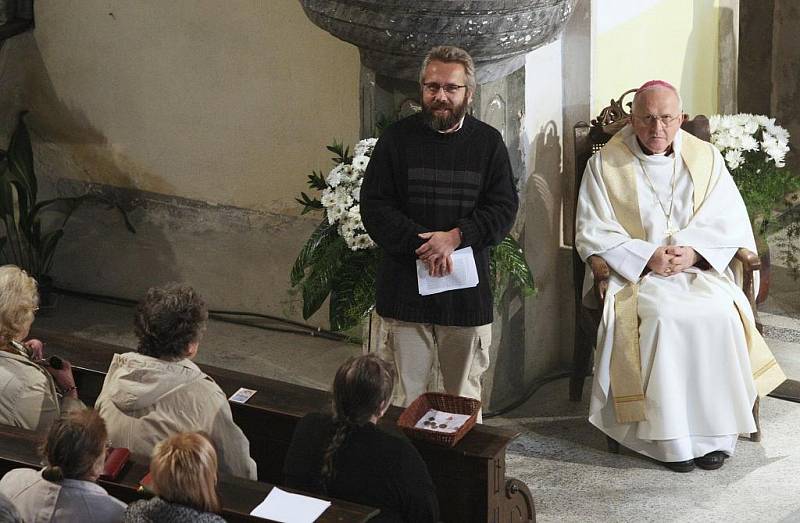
345 455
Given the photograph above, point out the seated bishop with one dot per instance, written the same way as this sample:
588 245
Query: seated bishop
679 362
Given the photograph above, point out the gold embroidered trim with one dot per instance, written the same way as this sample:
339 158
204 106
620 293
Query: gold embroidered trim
626 399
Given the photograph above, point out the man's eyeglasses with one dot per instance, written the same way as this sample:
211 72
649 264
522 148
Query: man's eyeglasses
433 88
650 119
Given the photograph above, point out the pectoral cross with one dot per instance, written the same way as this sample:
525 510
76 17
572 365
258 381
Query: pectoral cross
671 229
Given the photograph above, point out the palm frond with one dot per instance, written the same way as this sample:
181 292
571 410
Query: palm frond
353 292
323 234
508 266
317 284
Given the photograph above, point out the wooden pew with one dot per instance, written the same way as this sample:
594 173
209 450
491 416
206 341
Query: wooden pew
18 448
470 478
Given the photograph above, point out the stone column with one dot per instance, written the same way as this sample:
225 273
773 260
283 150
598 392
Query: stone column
769 65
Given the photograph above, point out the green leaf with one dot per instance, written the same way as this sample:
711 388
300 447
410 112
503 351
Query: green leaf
308 203
20 171
508 267
353 292
317 284
342 153
324 234
47 249
317 181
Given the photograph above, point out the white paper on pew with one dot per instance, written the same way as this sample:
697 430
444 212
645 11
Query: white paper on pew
464 275
286 507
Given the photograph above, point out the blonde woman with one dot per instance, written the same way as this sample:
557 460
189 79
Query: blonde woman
65 490
184 473
31 391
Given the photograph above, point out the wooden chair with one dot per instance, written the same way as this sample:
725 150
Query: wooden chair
588 140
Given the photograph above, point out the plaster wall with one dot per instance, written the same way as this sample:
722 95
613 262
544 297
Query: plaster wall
640 40
203 118
222 102
543 134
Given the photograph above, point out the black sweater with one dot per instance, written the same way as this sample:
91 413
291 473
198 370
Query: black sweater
419 180
372 467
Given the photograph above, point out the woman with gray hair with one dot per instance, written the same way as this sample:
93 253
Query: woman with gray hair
31 389
157 391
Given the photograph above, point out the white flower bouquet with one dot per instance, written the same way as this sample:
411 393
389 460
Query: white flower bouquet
735 135
754 148
341 196
340 260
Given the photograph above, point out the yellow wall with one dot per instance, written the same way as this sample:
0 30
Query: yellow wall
640 40
228 102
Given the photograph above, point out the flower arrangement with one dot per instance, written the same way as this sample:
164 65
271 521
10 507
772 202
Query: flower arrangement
340 260
754 148
341 197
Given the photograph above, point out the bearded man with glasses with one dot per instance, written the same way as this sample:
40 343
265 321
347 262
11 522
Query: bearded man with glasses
679 361
436 182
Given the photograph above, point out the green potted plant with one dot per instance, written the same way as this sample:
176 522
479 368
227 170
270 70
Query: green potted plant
31 229
340 260
754 148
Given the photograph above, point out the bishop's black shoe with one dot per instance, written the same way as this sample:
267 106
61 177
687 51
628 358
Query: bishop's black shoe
680 466
712 460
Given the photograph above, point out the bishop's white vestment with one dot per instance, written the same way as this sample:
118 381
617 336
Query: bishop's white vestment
702 362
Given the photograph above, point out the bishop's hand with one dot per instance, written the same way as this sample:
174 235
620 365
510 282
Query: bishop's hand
661 262
683 257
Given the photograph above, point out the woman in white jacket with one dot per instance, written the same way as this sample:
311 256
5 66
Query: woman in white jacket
65 490
31 391
158 391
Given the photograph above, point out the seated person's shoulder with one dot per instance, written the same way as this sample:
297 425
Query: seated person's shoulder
12 369
17 481
18 378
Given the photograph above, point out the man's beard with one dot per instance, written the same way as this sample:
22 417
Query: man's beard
443 122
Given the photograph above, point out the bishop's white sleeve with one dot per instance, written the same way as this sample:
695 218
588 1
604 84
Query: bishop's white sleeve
598 231
629 259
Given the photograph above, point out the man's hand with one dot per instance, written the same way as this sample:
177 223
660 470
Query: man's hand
661 262
682 257
436 251
439 266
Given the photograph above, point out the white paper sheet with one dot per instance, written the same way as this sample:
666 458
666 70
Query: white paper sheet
464 275
441 421
287 507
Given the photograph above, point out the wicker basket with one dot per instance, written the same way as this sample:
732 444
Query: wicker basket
444 403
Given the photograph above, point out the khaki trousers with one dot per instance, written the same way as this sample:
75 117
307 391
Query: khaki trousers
434 358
